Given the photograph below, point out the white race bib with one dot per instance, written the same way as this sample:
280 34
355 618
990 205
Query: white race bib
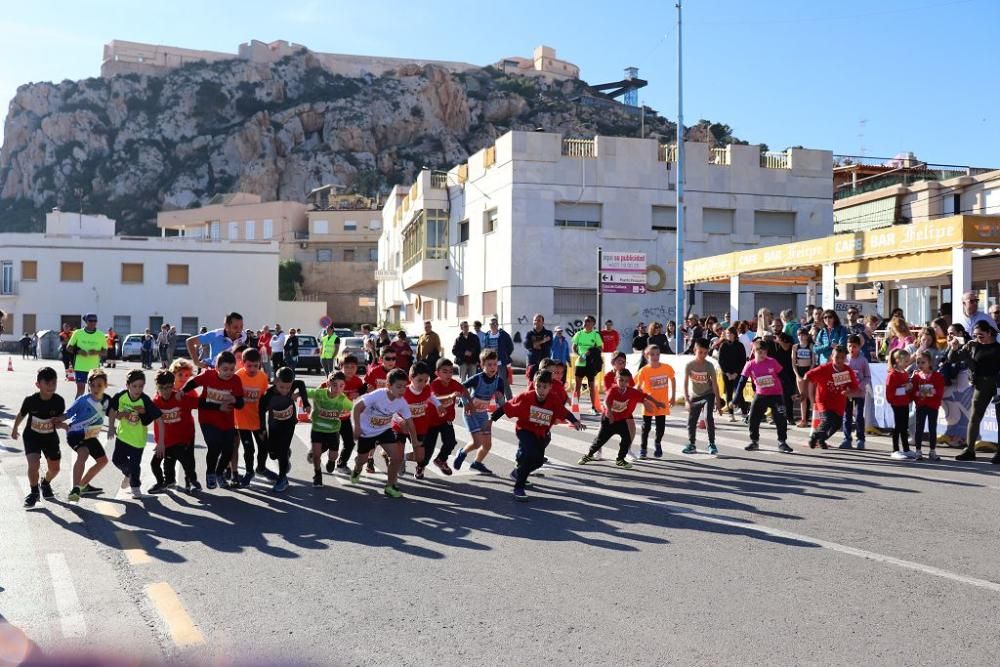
540 416
765 381
841 378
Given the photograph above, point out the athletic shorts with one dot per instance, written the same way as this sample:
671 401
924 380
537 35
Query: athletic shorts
478 422
386 437
81 376
581 372
328 440
49 448
76 439
403 437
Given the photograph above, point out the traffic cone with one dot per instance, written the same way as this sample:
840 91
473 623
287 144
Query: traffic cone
301 414
576 405
10 364
701 424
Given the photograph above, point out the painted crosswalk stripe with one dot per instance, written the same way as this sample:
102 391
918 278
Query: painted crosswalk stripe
70 615
132 547
182 629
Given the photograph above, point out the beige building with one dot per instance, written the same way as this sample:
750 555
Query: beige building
543 63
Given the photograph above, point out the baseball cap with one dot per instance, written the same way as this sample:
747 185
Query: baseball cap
558 329
90 317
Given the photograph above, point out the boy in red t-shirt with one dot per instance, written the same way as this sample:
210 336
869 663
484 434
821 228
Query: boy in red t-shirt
535 412
354 387
447 390
178 435
828 386
376 377
619 404
221 393
928 390
423 403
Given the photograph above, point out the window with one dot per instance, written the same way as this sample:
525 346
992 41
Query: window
122 324
132 274
72 320
29 323
71 272
320 227
489 304
717 220
189 325
177 274
665 218
324 255
426 237
214 230
774 223
348 254
267 229
573 301
7 278
490 221
234 231
427 309
155 322
350 226
577 214
29 270
372 254
463 231
463 305
250 230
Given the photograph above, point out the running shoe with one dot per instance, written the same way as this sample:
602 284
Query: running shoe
513 476
280 485
91 490
31 499
331 465
74 495
933 456
690 449
47 492
370 467
392 491
623 464
126 482
823 445
194 486
752 447
910 454
355 477
658 450
137 492
211 481
899 456
317 478
480 468
442 465
642 454
812 443
597 455
968 455
860 445
784 448
712 449
419 474
158 488
342 466
585 459
846 444
520 495
246 479
459 460
919 455
227 474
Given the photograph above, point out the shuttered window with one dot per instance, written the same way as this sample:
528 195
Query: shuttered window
132 274
774 223
577 214
717 220
489 304
29 270
573 301
177 274
665 218
71 272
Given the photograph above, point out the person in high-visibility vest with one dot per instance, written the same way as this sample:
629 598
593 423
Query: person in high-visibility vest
329 347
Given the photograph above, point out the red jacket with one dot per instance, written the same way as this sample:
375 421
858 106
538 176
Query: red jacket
895 392
928 391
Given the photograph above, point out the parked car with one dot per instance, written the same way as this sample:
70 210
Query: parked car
343 333
132 348
353 345
309 354
180 347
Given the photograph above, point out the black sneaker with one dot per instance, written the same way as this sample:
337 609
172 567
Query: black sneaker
995 460
658 451
967 455
331 466
47 490
317 478
160 487
642 454
752 447
823 445
194 486
785 449
31 499
812 443
91 490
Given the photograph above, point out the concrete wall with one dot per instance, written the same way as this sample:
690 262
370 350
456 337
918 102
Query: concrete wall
122 57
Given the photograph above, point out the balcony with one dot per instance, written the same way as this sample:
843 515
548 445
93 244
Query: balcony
429 268
439 180
425 249
719 156
582 148
773 160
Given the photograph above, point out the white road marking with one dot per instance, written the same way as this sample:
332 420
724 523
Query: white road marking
67 602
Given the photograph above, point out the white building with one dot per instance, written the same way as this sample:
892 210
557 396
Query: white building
133 282
515 230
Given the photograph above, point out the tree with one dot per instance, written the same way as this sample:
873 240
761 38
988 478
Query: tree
289 275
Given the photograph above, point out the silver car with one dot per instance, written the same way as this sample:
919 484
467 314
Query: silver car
354 345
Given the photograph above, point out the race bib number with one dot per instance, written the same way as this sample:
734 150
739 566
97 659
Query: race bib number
841 378
901 391
132 417
251 394
927 390
171 416
42 426
217 395
540 416
480 405
699 377
765 381
379 421
446 402
619 406
327 414
803 355
418 410
659 382
283 415
381 383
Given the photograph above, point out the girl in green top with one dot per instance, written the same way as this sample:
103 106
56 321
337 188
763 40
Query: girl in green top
134 412
329 405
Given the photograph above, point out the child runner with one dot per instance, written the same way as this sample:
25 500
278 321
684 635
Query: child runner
423 403
854 418
86 419
44 411
373 416
354 386
482 387
535 412
830 383
377 378
899 395
618 362
928 389
804 359
703 379
177 426
254 381
221 393
619 404
135 412
329 405
766 374
447 390
278 415
658 381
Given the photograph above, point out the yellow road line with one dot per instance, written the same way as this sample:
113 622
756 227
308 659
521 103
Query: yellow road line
132 547
107 509
182 629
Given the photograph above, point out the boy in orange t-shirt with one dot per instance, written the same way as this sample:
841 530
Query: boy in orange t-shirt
658 381
254 383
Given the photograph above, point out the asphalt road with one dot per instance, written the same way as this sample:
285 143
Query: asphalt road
820 557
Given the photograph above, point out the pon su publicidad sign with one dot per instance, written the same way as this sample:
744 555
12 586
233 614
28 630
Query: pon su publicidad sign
623 273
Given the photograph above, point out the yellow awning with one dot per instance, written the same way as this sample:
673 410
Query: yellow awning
904 267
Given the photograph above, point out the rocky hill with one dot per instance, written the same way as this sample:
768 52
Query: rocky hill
132 145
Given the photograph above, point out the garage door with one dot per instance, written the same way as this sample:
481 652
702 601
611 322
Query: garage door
715 303
775 302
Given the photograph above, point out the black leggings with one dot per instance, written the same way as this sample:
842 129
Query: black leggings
220 448
128 459
647 422
279 447
346 441
694 413
164 469
248 438
829 423
901 427
759 406
609 430
985 391
929 415
530 456
448 442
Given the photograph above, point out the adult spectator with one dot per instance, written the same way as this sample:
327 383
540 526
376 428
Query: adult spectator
982 356
64 353
329 347
466 352
382 341
587 344
86 346
368 337
897 336
732 359
971 313
477 328
277 342
660 339
945 311
832 333
692 332
640 339
292 349
161 344
500 340
171 344
538 341
429 348
25 345
610 338
638 331
230 336
856 326
560 346
404 353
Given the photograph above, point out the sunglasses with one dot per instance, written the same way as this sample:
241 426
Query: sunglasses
388 358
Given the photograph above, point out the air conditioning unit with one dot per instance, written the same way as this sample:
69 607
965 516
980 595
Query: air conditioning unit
304 245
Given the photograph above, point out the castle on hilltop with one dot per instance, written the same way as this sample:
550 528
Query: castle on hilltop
121 57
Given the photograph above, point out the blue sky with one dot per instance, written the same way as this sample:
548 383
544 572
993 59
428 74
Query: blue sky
888 76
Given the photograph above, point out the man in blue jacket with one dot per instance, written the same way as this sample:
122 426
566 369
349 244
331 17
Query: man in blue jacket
500 340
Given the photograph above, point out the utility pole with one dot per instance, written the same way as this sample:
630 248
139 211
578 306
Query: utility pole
679 280
600 255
